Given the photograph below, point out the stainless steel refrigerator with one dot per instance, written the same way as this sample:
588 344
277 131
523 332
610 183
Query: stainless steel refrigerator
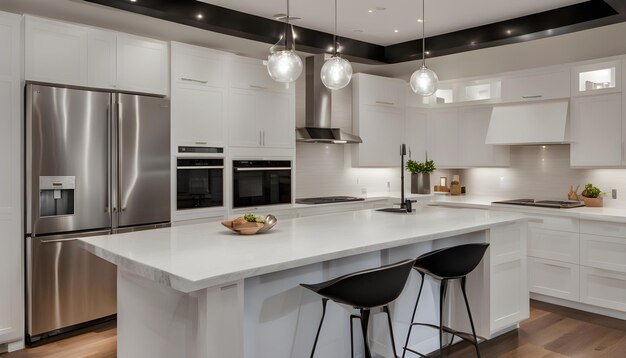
96 163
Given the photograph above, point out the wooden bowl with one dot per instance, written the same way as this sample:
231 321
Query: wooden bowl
593 202
248 228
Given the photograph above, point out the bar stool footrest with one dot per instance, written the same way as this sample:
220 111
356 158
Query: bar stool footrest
463 335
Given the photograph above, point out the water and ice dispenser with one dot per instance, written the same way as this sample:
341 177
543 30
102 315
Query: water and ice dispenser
56 195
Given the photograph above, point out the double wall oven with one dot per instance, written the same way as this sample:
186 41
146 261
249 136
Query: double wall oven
199 178
261 182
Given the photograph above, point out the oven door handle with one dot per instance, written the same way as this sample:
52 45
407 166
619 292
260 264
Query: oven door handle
201 167
260 169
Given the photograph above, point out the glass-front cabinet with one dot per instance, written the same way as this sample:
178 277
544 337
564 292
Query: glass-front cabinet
596 78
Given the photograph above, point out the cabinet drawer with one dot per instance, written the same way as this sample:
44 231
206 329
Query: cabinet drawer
603 252
553 278
553 245
603 228
554 223
603 288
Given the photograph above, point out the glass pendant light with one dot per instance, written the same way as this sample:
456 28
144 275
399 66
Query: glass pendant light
424 81
284 65
336 72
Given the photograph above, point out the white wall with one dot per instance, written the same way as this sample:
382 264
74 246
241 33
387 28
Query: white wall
542 173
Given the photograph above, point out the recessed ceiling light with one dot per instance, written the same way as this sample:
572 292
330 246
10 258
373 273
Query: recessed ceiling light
508 32
428 52
420 20
199 16
133 0
395 30
370 11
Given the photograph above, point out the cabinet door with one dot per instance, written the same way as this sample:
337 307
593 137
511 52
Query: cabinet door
473 152
537 85
198 116
603 288
142 65
415 134
553 278
380 91
198 65
248 73
102 59
382 131
244 127
11 251
603 252
279 120
596 131
443 142
553 245
55 52
509 276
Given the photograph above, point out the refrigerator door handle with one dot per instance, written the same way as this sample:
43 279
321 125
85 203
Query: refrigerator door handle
108 208
120 150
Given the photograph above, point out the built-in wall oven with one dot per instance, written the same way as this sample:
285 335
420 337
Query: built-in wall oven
199 178
261 182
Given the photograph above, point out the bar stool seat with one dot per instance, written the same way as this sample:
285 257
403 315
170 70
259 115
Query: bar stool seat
452 263
363 291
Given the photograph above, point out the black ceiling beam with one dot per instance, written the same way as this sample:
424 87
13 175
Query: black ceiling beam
581 16
559 21
235 23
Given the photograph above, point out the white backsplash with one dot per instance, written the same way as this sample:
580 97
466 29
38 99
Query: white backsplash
542 172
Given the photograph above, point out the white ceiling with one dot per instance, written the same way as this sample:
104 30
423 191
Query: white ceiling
379 26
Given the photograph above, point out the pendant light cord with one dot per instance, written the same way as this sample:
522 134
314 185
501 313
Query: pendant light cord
335 35
424 33
287 29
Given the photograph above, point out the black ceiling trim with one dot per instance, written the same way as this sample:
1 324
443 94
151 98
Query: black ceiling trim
581 16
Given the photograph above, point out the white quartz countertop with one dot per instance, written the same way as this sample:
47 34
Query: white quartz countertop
193 257
611 214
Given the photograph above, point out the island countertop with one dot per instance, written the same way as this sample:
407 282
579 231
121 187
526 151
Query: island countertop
194 257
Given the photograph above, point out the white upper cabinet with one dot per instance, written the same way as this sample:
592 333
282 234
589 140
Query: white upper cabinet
278 111
250 73
142 64
415 133
11 249
597 131
473 152
378 117
597 78
198 65
443 137
537 84
380 91
198 97
55 52
102 50
61 53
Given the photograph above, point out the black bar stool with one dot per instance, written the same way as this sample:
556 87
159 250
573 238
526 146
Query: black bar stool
452 263
364 290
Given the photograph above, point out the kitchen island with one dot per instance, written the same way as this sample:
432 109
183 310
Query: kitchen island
203 291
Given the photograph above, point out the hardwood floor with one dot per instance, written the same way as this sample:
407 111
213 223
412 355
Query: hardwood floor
551 332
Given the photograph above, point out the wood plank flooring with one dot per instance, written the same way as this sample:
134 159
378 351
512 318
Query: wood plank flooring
551 332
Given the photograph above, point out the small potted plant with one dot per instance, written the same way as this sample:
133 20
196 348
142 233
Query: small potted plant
592 196
420 175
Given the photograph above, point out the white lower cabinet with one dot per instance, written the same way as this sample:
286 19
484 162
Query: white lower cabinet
553 245
553 278
603 252
509 294
603 288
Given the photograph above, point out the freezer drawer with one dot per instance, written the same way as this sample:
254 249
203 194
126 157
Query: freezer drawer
66 285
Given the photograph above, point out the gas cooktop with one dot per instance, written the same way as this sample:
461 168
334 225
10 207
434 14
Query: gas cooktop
556 204
327 200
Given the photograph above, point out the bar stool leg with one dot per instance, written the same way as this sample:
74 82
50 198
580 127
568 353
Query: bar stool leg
442 296
469 313
352 317
408 335
365 318
393 341
324 302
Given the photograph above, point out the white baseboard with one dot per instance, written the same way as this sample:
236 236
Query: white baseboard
579 306
16 346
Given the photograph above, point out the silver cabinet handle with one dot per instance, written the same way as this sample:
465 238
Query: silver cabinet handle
200 167
193 80
201 143
387 103
260 138
260 169
264 138
57 241
534 96
258 87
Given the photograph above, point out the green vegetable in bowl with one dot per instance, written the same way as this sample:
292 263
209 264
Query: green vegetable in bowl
254 218
592 191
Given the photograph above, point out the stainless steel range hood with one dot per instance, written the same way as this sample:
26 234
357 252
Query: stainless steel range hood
318 110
